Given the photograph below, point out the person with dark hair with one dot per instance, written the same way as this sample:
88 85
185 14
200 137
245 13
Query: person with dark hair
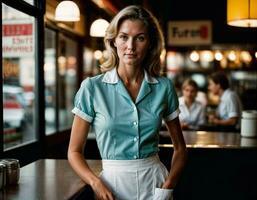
125 106
192 112
229 110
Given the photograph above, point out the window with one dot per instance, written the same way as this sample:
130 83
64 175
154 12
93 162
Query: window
50 81
67 80
61 81
18 72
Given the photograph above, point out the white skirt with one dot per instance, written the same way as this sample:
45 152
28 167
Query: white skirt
136 179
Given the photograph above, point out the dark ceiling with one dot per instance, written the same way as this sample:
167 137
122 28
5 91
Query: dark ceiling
178 9
215 11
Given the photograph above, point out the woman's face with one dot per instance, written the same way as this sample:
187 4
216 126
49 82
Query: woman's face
132 42
213 87
189 93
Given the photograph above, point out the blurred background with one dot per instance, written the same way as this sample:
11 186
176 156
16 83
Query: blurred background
44 61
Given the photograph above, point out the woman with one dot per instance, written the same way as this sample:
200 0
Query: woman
125 106
192 112
229 109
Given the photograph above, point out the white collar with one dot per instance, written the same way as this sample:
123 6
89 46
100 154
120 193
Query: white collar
112 77
182 102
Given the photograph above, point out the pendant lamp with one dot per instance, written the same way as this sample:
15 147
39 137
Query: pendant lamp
67 11
242 13
98 28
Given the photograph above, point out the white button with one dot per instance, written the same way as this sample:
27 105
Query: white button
135 108
135 123
135 139
135 157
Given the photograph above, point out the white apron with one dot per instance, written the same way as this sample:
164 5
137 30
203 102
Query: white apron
139 179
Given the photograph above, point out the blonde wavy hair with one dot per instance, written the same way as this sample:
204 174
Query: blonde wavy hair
151 62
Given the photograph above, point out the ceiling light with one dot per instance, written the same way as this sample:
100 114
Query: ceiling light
98 28
232 56
218 56
194 56
246 56
67 11
206 56
242 13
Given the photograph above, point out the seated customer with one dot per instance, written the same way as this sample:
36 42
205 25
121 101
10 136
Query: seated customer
192 112
229 109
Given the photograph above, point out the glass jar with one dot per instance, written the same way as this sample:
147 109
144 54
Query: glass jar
249 123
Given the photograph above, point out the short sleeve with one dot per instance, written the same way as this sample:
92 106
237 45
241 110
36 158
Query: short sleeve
83 102
172 110
233 106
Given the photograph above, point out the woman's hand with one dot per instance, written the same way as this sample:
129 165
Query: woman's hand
167 185
214 120
101 191
184 125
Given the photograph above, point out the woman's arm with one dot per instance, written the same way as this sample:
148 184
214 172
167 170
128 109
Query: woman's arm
179 156
225 122
79 133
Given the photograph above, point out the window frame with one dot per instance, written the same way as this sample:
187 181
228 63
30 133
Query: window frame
31 151
57 143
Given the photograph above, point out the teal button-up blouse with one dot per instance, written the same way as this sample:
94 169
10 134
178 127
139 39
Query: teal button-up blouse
126 129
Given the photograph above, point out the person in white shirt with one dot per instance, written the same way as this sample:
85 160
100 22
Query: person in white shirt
229 109
192 112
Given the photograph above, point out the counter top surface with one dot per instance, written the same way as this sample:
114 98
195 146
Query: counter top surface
47 179
207 139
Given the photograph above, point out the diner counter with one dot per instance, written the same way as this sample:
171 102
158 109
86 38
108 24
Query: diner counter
220 165
47 179
207 139
214 158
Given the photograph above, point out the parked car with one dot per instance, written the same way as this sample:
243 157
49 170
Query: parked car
13 106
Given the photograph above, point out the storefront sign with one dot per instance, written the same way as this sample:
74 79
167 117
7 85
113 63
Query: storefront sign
187 33
17 38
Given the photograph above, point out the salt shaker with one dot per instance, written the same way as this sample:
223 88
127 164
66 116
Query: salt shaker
2 175
12 171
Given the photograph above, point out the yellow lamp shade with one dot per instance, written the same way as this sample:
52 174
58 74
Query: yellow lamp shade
242 13
67 11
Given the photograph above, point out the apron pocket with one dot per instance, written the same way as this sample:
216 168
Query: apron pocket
162 194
